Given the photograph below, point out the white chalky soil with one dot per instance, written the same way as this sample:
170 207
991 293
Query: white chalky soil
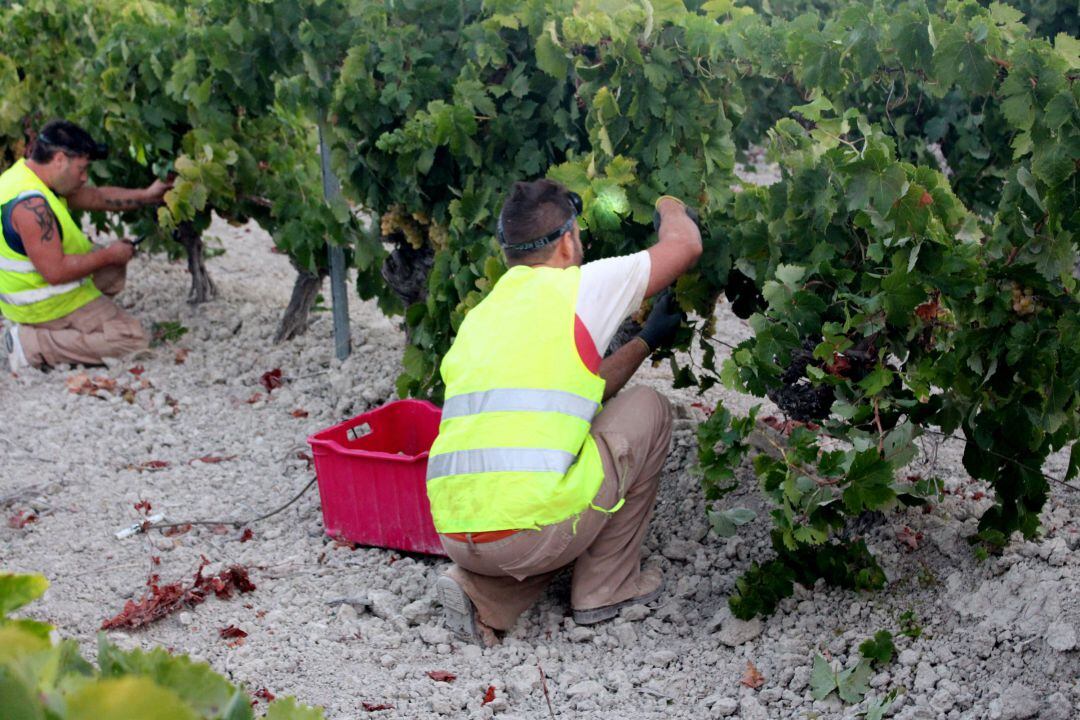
999 636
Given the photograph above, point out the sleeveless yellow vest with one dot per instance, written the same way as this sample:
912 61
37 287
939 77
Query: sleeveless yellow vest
25 296
514 449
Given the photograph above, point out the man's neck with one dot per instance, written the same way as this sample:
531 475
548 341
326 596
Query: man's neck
42 172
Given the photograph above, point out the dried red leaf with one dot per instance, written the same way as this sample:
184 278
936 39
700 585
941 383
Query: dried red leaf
340 541
751 677
181 355
178 530
786 426
978 495
839 366
930 310
214 459
264 694
246 535
163 600
442 676
272 379
489 696
21 519
231 632
375 708
137 370
82 384
143 506
909 537
150 466
155 560
306 457
703 408
299 413
256 397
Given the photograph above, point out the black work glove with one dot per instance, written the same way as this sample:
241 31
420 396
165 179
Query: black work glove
663 322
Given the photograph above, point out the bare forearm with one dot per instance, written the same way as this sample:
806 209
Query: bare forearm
619 367
110 199
76 267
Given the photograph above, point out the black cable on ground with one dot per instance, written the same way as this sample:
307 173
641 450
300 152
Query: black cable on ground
241 523
235 523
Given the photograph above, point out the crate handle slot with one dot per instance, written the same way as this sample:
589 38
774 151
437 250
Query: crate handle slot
355 433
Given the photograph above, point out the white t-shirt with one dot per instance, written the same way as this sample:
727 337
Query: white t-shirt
611 290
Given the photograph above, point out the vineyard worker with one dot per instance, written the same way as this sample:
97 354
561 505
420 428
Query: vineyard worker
52 278
527 474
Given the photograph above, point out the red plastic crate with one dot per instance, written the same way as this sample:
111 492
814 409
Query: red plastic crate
371 472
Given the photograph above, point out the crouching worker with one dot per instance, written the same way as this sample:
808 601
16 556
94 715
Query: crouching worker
52 278
528 474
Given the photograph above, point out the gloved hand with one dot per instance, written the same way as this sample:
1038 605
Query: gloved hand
663 322
690 212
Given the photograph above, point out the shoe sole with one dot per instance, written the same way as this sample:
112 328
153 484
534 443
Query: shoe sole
459 613
600 614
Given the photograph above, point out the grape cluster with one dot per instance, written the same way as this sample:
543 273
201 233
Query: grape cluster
1022 301
743 294
439 236
799 398
398 220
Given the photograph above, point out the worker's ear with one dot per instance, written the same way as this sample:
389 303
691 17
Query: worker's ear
566 250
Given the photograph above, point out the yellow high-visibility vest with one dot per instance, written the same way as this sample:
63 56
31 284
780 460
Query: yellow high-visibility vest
514 449
25 296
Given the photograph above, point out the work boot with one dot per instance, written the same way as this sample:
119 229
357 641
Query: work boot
459 613
12 349
650 585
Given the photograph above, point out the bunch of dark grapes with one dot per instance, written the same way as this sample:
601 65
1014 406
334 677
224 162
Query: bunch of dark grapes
797 396
743 294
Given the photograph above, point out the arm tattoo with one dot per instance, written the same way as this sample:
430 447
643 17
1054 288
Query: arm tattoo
43 216
126 204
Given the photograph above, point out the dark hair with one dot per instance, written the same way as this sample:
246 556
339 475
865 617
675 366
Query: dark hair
532 210
68 138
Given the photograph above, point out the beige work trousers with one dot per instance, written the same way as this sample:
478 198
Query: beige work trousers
88 335
504 578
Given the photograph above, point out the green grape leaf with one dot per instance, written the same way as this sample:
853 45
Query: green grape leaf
852 684
878 189
195 683
1053 162
726 522
962 58
878 379
1068 47
822 678
1074 462
287 709
20 701
414 363
127 698
880 648
19 590
550 57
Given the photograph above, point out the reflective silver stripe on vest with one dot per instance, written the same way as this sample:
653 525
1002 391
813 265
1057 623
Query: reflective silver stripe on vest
17 266
29 297
520 400
467 462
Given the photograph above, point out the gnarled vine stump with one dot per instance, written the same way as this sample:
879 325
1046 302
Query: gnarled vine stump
202 287
304 293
